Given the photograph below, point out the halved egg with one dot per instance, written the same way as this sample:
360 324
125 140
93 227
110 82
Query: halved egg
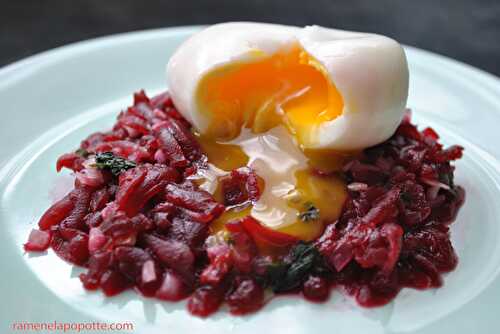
288 101
288 87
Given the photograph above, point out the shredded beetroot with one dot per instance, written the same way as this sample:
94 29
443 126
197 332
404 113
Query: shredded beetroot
316 289
247 296
393 232
241 187
38 241
172 288
138 221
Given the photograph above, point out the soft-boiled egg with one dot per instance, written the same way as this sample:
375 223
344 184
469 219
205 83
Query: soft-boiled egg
286 100
332 88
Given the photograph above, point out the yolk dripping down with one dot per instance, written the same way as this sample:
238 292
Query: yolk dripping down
288 181
289 87
258 113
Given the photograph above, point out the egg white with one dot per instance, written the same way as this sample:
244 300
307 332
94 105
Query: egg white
370 72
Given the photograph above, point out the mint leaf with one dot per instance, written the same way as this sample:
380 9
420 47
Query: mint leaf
310 213
302 260
82 152
114 164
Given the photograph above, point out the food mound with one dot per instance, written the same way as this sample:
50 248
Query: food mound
137 218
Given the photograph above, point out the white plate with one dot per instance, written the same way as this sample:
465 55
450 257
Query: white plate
51 101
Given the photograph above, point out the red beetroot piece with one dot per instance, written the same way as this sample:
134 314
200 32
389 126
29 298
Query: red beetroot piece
172 253
240 187
316 289
137 185
38 241
172 288
188 196
246 297
205 300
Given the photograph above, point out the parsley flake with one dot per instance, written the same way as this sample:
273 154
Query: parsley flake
310 213
114 164
304 259
82 152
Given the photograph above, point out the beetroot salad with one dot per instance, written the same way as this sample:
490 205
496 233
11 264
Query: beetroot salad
136 219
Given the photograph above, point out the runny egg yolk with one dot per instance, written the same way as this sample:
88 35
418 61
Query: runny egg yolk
289 88
289 179
260 115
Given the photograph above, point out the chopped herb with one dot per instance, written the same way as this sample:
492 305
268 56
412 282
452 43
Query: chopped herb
310 213
114 164
406 198
446 178
302 260
228 239
82 152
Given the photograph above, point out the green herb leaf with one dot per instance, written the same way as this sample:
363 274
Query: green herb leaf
114 164
303 260
310 213
405 197
82 152
446 178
